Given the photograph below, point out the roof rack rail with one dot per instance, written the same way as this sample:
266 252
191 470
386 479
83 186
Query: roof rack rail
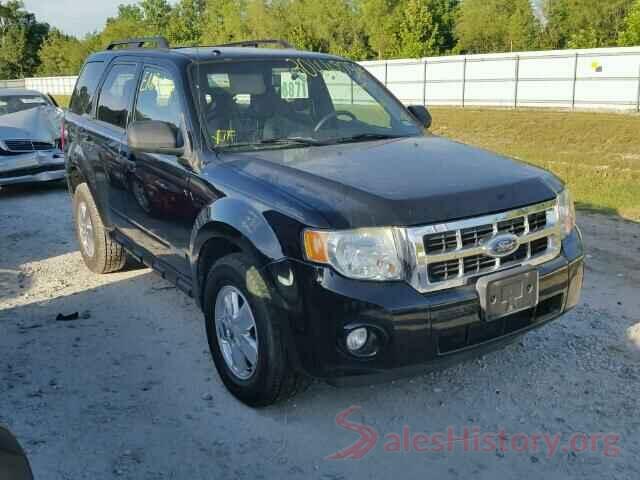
161 42
256 43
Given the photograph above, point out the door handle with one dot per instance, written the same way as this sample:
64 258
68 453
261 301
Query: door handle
129 161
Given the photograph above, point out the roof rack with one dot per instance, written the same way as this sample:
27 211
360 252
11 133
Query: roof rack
161 42
257 43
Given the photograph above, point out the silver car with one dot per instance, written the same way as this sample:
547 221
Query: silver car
30 125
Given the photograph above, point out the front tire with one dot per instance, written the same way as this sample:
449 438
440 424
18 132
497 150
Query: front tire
100 253
245 336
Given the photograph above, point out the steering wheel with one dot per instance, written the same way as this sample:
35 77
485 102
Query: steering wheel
331 115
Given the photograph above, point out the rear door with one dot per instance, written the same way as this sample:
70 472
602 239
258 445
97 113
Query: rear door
109 135
78 123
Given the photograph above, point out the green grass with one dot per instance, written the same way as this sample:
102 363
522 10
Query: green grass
63 100
597 154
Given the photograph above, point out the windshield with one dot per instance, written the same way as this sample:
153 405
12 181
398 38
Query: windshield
18 103
295 102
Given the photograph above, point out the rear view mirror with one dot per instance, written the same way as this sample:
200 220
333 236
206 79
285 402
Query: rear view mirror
150 136
13 461
421 114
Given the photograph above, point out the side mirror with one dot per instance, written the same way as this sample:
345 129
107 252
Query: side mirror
13 461
151 136
421 114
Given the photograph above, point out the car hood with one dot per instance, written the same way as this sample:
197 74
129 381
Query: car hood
40 124
402 182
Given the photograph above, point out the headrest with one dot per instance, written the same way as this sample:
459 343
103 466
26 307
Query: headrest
149 96
247 83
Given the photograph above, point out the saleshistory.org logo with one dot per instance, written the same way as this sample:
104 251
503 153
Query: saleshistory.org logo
469 439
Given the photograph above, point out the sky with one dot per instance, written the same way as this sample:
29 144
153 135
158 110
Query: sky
76 17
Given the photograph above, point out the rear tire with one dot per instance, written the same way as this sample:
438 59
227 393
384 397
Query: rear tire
100 253
272 378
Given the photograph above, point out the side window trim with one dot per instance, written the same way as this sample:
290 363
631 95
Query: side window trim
115 63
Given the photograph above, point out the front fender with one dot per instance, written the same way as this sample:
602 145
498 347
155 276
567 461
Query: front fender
232 218
242 217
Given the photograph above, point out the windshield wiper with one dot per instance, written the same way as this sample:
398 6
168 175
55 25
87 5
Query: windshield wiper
306 141
284 140
367 136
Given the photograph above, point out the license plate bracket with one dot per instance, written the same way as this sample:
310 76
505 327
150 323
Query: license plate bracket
508 292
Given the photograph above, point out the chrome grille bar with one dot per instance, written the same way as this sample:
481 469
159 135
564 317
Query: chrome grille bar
421 260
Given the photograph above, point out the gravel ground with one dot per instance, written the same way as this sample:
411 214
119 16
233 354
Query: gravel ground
128 389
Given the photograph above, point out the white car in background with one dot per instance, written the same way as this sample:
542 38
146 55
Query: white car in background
30 150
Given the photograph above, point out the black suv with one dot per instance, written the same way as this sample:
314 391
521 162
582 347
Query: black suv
321 230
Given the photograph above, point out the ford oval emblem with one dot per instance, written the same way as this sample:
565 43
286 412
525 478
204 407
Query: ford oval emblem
502 245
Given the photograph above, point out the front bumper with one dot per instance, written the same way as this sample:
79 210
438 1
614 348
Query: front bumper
42 166
420 331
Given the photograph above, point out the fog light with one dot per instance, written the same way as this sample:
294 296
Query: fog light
356 339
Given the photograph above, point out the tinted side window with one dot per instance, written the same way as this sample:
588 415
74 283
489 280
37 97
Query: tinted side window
84 93
158 98
116 94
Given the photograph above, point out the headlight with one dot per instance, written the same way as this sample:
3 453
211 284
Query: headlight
566 211
363 254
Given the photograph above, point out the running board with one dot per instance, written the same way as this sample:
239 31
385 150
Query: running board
145 257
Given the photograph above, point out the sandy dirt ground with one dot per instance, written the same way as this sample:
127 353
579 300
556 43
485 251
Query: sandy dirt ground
128 390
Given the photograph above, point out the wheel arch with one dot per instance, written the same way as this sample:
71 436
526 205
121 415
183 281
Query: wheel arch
79 171
227 226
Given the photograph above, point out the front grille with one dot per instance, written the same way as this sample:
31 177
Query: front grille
43 146
19 145
515 226
440 242
537 221
477 263
472 237
22 146
442 271
448 255
539 246
31 171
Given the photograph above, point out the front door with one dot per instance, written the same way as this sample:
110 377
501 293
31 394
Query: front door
160 204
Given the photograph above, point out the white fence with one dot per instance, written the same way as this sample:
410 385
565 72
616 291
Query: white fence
12 83
52 85
607 78
599 78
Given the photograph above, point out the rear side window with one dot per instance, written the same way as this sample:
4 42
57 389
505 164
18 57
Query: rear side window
116 94
84 93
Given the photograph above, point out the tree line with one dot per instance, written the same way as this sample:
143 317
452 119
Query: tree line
358 29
